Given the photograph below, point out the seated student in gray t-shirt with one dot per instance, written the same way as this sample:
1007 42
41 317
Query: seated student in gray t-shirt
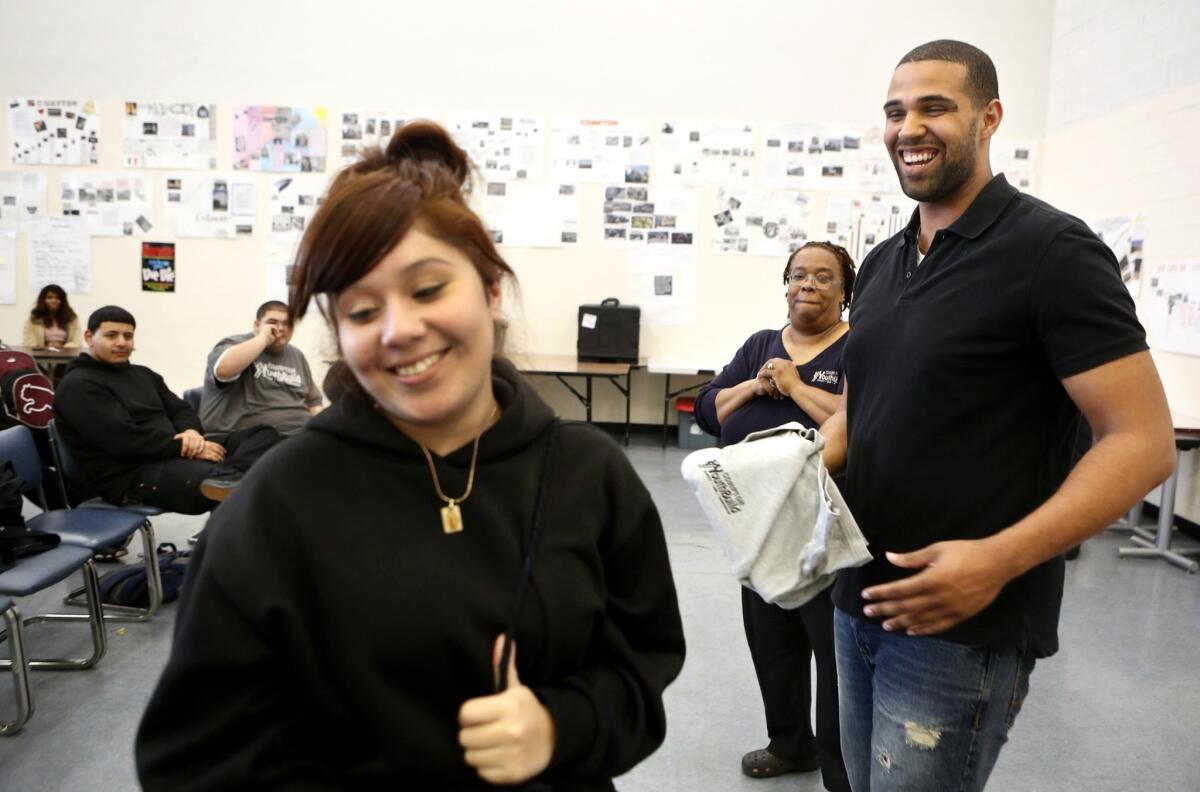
258 378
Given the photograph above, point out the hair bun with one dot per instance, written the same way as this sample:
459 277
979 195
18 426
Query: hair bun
425 141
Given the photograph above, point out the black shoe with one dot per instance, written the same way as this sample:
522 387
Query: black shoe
764 764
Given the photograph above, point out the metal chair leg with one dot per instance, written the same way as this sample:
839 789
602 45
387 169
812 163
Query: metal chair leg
94 617
20 674
128 613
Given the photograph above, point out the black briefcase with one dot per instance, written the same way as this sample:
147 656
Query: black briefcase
608 332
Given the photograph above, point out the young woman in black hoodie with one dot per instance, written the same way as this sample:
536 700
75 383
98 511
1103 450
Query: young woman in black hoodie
436 585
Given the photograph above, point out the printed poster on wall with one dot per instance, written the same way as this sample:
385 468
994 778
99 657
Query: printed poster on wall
158 266
662 282
22 197
53 131
1172 306
1126 237
181 135
1017 160
210 206
504 147
876 171
605 150
637 215
699 152
521 214
768 223
60 251
8 268
294 200
112 204
279 139
364 128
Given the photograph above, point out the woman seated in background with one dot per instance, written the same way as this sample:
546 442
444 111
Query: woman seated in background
52 324
793 374
435 585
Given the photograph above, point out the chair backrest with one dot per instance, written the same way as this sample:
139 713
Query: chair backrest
64 460
192 397
17 446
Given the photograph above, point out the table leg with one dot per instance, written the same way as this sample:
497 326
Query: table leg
1161 547
628 398
589 399
666 409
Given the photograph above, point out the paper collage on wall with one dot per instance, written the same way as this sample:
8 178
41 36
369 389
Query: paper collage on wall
503 147
1172 306
699 152
760 223
22 197
210 206
60 251
364 128
53 132
1126 238
605 150
112 204
860 222
279 139
294 200
170 135
811 156
531 215
637 215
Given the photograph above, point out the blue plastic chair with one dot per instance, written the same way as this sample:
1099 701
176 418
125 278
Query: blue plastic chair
192 397
30 575
94 529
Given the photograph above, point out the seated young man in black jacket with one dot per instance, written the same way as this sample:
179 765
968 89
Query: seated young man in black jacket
134 439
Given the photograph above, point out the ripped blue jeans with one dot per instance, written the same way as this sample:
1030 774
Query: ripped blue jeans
922 714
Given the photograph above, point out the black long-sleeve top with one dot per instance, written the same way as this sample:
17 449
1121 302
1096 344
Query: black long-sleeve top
116 418
329 630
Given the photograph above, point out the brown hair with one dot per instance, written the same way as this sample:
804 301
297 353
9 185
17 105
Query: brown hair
421 178
843 260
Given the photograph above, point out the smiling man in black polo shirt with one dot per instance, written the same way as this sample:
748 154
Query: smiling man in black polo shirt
978 335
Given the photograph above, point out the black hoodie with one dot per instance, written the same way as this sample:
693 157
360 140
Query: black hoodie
329 630
116 418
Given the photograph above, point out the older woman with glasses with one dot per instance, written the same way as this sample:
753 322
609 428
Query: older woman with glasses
793 374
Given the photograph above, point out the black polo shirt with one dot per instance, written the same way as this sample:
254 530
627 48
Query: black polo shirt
958 423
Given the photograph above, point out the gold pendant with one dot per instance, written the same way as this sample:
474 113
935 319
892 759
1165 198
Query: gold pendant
451 519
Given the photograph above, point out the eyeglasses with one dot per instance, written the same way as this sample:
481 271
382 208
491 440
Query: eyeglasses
819 280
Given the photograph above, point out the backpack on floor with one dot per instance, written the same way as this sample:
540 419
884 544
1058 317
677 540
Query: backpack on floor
128 585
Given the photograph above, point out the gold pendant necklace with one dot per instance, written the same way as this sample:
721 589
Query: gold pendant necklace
452 521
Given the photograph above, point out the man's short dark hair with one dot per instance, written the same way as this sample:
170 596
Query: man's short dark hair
980 83
272 305
110 313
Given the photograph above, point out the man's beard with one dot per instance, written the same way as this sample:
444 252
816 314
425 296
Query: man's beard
954 172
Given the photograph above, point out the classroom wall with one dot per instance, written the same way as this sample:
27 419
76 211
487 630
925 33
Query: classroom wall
1124 107
758 60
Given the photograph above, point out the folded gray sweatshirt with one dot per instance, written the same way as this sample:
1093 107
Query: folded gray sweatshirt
782 521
